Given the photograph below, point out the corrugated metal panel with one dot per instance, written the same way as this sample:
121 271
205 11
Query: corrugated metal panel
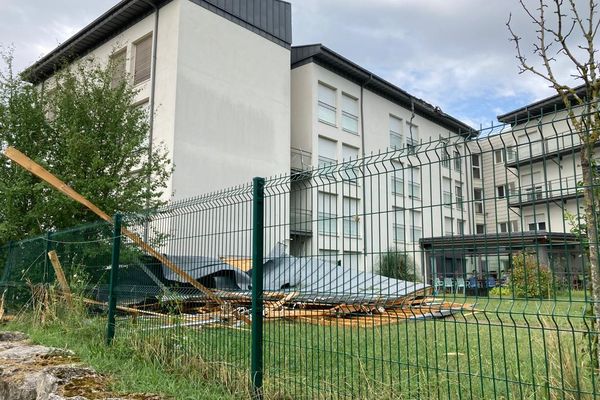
271 19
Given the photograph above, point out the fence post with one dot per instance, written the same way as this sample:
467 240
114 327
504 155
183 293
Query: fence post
47 250
257 287
114 279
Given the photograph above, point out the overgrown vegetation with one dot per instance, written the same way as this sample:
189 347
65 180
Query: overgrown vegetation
529 279
398 265
86 130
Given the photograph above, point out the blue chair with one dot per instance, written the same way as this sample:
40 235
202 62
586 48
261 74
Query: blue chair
472 282
491 282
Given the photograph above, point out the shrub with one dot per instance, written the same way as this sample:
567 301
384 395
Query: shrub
501 291
397 265
529 279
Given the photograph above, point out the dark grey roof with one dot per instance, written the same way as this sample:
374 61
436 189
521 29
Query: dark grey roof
271 19
542 107
333 61
482 243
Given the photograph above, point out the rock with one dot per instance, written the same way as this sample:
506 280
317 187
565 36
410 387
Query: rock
13 337
34 372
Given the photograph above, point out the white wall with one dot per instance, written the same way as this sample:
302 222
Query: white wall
233 104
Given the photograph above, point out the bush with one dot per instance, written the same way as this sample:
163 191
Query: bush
501 291
397 265
529 279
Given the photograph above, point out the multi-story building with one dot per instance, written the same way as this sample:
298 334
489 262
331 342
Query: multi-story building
342 112
216 78
215 75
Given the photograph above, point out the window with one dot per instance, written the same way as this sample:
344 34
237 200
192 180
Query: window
351 170
351 259
349 114
330 256
327 152
536 222
514 225
117 65
351 217
327 213
503 227
480 229
396 133
447 192
501 191
459 195
478 197
412 138
327 104
460 226
399 231
414 182
142 60
499 156
398 183
445 157
448 228
476 162
511 154
417 225
457 161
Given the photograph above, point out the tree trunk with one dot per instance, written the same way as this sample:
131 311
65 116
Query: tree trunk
590 203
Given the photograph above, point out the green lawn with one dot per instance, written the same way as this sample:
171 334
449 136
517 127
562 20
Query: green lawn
506 349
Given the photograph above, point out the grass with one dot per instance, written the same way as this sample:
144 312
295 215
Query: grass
509 349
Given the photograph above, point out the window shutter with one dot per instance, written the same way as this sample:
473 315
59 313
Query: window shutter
143 58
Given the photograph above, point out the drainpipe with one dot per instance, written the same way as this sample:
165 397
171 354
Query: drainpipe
151 105
364 181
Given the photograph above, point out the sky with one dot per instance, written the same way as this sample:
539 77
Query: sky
454 54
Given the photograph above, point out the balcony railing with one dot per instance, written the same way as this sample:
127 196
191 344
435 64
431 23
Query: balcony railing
563 188
300 221
540 148
301 160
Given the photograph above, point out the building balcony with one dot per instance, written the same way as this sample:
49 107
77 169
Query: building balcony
539 193
529 153
301 160
300 222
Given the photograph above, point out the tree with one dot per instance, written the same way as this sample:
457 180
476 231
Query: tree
85 130
398 265
566 31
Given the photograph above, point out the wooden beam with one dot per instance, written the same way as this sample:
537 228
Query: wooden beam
60 276
39 171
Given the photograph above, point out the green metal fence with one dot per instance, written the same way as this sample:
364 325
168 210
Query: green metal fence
456 268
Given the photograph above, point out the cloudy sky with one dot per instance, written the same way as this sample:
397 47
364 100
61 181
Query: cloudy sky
452 53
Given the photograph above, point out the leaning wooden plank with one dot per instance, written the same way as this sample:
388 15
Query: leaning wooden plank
60 276
126 309
2 305
278 304
42 173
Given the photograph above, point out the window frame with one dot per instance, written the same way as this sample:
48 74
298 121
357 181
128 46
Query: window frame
134 64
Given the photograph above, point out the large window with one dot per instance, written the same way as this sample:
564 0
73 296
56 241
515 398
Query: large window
412 138
478 197
327 104
349 114
142 60
117 65
457 161
327 213
351 217
396 141
351 171
399 230
416 225
413 175
445 157
476 162
448 226
458 193
447 192
327 152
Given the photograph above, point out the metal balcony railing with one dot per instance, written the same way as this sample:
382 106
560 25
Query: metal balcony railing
300 221
301 160
563 188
